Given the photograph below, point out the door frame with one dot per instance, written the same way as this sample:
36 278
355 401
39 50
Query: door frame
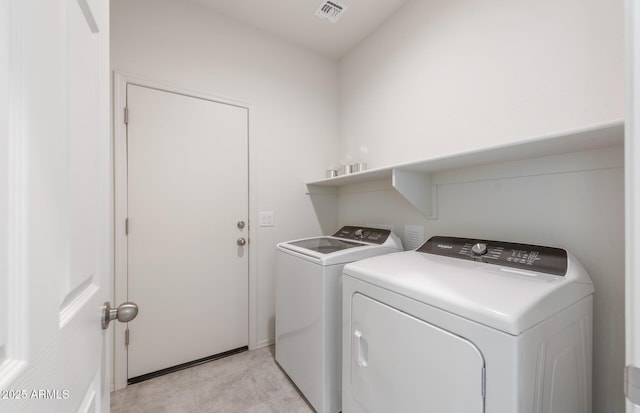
120 82
632 207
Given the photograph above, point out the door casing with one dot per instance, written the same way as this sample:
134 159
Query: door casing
120 82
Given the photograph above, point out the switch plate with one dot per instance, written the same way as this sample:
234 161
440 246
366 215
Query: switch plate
266 219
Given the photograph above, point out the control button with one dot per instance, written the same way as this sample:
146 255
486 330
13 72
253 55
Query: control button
358 233
479 249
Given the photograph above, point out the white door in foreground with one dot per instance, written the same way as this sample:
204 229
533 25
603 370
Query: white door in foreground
55 205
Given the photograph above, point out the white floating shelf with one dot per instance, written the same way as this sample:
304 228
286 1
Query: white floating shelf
413 179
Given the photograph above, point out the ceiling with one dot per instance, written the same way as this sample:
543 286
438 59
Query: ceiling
294 20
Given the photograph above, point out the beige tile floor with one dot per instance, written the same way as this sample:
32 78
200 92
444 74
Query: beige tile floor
248 382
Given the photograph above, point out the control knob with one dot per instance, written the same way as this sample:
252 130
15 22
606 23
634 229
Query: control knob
479 249
358 233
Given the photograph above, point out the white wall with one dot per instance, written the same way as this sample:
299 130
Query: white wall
293 93
632 181
444 76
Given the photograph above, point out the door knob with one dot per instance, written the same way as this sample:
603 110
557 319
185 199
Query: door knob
241 242
125 313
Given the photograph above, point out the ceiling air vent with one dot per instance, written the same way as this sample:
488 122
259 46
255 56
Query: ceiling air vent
331 10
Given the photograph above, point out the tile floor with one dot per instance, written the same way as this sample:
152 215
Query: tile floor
248 382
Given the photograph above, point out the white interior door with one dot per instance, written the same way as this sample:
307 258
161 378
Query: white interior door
400 363
55 205
187 190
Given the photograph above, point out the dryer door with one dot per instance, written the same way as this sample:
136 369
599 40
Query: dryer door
402 364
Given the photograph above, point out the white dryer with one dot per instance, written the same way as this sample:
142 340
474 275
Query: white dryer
309 307
467 326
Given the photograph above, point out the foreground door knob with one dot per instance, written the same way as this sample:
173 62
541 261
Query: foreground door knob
241 242
125 313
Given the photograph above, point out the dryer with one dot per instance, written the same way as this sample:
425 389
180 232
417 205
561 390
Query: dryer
467 326
309 307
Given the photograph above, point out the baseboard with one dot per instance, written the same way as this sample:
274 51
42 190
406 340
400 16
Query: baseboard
265 343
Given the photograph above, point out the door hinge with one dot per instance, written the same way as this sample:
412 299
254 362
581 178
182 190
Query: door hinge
126 337
126 226
126 115
632 384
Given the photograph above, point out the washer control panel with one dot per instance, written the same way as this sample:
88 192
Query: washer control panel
547 260
364 234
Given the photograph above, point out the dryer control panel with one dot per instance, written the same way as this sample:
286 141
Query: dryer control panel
548 260
364 234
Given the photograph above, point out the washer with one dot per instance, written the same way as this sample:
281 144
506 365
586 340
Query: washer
309 306
467 326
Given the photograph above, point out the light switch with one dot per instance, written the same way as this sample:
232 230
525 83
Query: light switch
266 219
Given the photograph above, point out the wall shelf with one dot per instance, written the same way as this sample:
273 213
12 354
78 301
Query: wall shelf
413 180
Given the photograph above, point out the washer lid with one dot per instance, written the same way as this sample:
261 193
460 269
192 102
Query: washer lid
325 245
505 298
325 254
348 244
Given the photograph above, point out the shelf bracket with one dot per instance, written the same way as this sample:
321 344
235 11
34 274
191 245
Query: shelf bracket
418 189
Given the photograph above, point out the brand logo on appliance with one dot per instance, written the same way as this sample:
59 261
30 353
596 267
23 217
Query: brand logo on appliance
445 247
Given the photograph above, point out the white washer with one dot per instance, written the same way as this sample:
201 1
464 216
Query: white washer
467 326
309 306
